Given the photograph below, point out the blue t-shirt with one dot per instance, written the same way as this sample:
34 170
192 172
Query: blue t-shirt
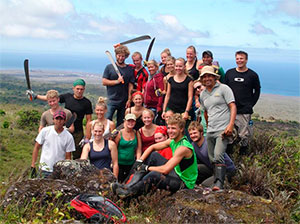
202 157
118 94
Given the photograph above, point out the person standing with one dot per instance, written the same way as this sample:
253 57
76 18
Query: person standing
118 88
47 116
245 85
191 62
140 73
56 142
75 102
217 100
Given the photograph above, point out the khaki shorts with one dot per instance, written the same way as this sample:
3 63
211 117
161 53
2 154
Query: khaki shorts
245 131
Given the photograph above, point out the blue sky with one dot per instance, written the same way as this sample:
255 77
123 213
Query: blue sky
265 28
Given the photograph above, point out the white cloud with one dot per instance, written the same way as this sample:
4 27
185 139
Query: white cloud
260 29
289 7
35 18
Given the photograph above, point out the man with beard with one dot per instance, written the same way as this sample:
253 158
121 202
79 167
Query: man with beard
118 88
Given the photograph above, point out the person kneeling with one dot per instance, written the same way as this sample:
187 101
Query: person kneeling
154 170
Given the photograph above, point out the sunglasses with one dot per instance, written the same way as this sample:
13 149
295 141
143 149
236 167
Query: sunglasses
198 87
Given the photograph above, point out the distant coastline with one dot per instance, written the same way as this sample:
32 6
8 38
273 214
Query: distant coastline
286 108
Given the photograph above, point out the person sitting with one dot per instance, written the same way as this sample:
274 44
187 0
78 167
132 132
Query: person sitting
100 110
101 152
129 146
137 109
161 135
205 167
57 144
155 170
148 130
199 113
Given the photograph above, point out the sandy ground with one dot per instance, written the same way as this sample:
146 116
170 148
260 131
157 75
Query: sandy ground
279 107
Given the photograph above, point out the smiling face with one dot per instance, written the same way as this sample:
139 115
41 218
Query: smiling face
195 135
100 111
120 58
152 69
179 67
207 59
98 131
147 117
190 55
137 61
159 137
53 102
163 57
170 65
59 123
129 123
137 100
174 131
241 61
209 80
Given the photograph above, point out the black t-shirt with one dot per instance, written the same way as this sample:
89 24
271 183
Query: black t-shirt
81 107
118 94
245 87
179 94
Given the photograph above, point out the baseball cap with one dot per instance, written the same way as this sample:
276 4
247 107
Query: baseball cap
209 53
59 113
130 117
208 70
79 82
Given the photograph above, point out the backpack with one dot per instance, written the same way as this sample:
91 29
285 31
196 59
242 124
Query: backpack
98 209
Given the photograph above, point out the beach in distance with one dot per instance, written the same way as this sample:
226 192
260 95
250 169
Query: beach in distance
286 108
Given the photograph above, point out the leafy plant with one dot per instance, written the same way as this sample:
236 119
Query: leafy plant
28 119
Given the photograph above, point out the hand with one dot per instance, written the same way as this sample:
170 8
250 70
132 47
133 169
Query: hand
228 130
145 63
31 95
114 133
83 142
33 173
158 92
117 45
163 115
185 115
128 104
137 164
120 79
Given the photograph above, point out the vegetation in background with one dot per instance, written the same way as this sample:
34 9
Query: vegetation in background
271 168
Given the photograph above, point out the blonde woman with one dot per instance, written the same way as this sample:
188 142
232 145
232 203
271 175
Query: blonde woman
170 70
101 152
137 109
148 130
100 110
163 55
179 95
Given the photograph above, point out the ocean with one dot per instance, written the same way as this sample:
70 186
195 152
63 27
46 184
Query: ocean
280 78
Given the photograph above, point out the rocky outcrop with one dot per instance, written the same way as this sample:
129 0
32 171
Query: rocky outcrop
228 206
71 178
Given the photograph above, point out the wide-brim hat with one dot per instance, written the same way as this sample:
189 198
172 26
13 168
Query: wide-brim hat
209 70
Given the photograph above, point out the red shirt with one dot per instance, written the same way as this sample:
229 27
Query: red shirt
141 77
167 153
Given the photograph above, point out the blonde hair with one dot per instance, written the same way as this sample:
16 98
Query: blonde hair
177 119
52 94
101 102
122 50
137 54
167 51
97 123
183 61
153 62
149 112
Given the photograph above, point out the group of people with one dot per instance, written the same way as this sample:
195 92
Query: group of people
174 122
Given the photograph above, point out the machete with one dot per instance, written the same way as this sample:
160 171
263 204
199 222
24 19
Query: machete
71 120
114 132
113 63
26 69
149 51
144 37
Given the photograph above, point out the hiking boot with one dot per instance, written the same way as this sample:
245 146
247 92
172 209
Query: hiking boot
219 174
124 193
114 186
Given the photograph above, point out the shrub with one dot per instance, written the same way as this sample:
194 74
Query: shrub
28 119
5 124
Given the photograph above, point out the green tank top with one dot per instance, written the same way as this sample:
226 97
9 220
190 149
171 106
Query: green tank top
126 151
187 168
